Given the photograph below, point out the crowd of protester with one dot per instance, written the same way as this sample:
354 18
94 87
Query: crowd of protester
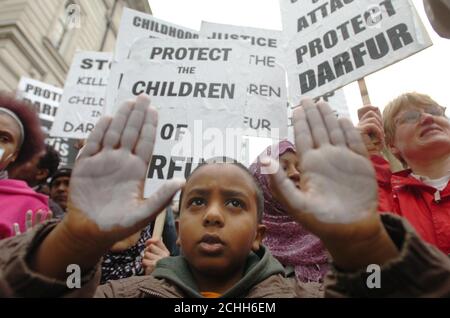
329 208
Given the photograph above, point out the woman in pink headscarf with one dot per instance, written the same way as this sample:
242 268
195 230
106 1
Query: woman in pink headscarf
292 245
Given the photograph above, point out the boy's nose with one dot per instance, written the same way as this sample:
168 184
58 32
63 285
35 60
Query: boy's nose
213 217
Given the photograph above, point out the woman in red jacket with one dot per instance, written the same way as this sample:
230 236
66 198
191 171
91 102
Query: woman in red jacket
417 132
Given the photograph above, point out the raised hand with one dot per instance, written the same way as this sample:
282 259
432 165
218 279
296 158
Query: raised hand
106 203
371 128
32 220
154 251
338 196
107 182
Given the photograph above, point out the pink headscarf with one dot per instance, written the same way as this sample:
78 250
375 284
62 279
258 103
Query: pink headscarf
287 240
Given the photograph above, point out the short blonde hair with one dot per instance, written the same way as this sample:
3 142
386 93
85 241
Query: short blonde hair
400 103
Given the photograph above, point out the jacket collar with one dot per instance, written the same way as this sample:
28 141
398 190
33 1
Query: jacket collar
404 179
176 272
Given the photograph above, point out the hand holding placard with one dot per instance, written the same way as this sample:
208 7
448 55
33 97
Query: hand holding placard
371 128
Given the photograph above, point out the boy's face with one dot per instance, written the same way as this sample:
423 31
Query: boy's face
419 131
218 224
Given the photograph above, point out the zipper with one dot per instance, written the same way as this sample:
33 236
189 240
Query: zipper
437 196
152 293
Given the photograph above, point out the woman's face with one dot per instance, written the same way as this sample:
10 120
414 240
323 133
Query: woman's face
9 140
290 164
422 131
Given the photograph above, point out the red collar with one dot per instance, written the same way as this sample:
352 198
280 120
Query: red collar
404 179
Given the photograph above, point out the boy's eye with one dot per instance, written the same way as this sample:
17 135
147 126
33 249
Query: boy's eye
196 202
236 203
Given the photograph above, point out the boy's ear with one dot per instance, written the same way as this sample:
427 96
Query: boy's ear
177 224
260 234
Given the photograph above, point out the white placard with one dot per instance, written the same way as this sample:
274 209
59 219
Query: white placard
332 43
335 99
265 110
84 95
45 98
199 88
135 25
187 74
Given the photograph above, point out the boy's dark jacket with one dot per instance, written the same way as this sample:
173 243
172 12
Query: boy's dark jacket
419 271
264 277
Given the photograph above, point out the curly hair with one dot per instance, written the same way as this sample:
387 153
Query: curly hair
50 160
33 142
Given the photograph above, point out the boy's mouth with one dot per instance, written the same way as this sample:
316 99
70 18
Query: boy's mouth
211 244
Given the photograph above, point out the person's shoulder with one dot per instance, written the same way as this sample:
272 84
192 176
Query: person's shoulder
122 288
12 185
280 286
21 191
57 211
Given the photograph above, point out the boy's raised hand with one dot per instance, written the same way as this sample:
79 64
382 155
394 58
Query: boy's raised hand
338 196
107 182
106 201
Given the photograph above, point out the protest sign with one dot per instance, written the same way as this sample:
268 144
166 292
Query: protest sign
45 98
265 108
330 43
83 96
199 88
335 99
337 102
187 138
188 73
135 25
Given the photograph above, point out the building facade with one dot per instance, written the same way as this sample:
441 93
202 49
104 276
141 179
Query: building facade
38 38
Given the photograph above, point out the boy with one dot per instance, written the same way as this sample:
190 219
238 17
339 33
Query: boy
220 233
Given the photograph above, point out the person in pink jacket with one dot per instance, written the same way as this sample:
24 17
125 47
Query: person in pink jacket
20 139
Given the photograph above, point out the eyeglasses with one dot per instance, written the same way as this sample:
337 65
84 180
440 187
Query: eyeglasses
413 116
